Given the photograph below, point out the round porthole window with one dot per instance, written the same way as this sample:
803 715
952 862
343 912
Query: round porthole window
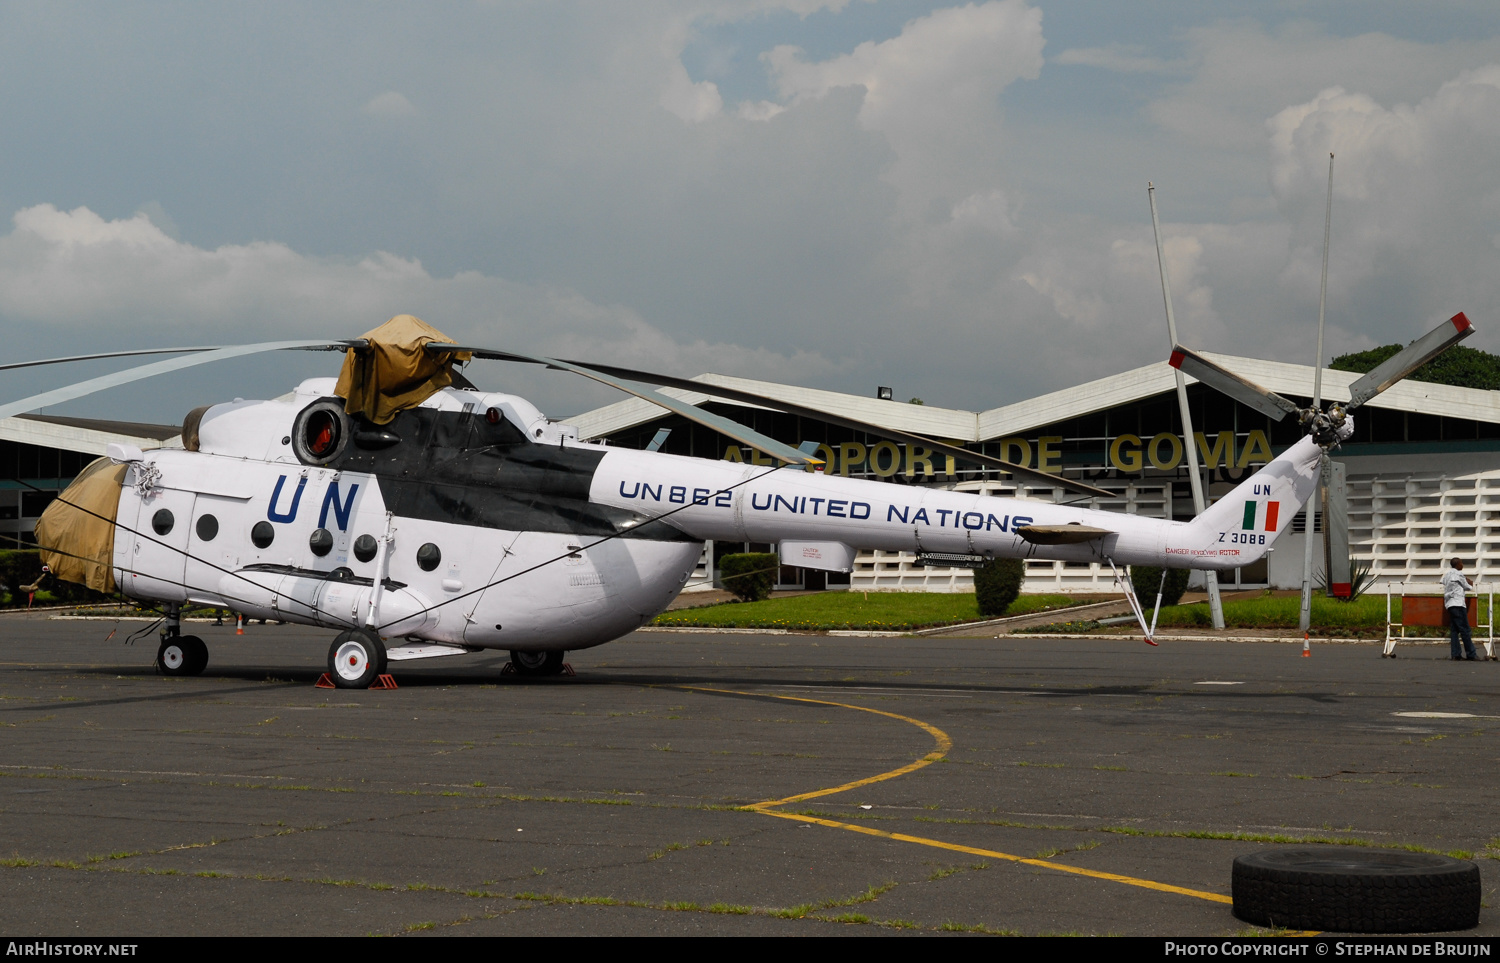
429 557
364 547
162 521
321 542
262 534
208 527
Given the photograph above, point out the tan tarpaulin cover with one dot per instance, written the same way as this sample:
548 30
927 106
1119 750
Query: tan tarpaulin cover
87 540
395 373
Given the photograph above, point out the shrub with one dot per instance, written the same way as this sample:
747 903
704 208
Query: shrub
1360 580
998 584
1146 579
23 566
20 567
749 575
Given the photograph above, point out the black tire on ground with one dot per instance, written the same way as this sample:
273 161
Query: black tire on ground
1356 892
182 655
356 659
536 663
197 653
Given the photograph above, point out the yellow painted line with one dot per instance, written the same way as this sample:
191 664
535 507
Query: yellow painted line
974 851
944 743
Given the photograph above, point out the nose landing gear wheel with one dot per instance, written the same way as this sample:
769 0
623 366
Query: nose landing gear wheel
355 659
537 663
182 655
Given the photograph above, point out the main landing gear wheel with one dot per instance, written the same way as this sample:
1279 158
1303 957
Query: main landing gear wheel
537 663
356 658
1356 892
182 655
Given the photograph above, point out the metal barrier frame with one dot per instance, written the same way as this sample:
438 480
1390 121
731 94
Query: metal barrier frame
1488 590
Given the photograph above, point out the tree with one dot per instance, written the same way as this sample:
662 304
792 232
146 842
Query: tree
1146 579
749 575
1459 366
998 584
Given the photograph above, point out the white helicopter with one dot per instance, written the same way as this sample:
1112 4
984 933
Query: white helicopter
422 517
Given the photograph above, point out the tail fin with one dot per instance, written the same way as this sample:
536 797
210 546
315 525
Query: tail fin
1240 527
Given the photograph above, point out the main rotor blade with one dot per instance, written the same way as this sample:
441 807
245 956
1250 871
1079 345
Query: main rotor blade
82 388
1268 403
328 346
956 452
736 394
708 419
107 354
1409 359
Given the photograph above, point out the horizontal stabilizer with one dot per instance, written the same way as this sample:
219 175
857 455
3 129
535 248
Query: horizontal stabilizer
1061 534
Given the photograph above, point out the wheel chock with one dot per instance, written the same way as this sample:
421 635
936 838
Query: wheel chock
510 669
382 681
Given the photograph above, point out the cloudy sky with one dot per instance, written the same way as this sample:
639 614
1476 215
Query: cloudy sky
947 199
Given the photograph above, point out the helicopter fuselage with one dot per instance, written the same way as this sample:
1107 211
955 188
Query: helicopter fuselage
473 521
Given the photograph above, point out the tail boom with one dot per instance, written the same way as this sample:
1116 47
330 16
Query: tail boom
736 502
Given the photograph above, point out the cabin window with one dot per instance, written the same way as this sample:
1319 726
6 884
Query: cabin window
262 534
321 542
364 547
208 527
162 521
429 557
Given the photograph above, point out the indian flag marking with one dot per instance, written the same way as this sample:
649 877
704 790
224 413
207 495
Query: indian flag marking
1268 517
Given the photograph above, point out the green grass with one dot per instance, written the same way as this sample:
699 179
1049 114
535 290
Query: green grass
874 611
1283 612
1363 616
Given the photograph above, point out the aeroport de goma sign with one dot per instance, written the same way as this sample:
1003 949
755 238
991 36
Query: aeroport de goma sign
1130 454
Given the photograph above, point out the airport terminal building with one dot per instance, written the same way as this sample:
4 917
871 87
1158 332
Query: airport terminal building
1423 467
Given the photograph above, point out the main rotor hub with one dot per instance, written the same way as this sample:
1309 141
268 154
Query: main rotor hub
1327 428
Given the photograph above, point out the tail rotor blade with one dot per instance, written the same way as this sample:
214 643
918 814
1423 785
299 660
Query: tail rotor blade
1409 359
1336 528
1268 403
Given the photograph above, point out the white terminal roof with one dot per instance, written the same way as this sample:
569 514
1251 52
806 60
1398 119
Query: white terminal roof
1474 404
86 435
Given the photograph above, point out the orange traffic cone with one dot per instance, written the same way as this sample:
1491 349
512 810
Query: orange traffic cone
239 625
1306 649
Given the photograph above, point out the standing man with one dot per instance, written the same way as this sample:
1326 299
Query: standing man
1454 587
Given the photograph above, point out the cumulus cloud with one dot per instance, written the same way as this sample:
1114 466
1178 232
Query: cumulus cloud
1415 202
1121 59
389 104
689 101
66 276
1243 72
933 91
898 198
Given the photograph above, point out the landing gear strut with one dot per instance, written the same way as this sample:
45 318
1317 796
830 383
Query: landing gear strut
537 663
180 654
